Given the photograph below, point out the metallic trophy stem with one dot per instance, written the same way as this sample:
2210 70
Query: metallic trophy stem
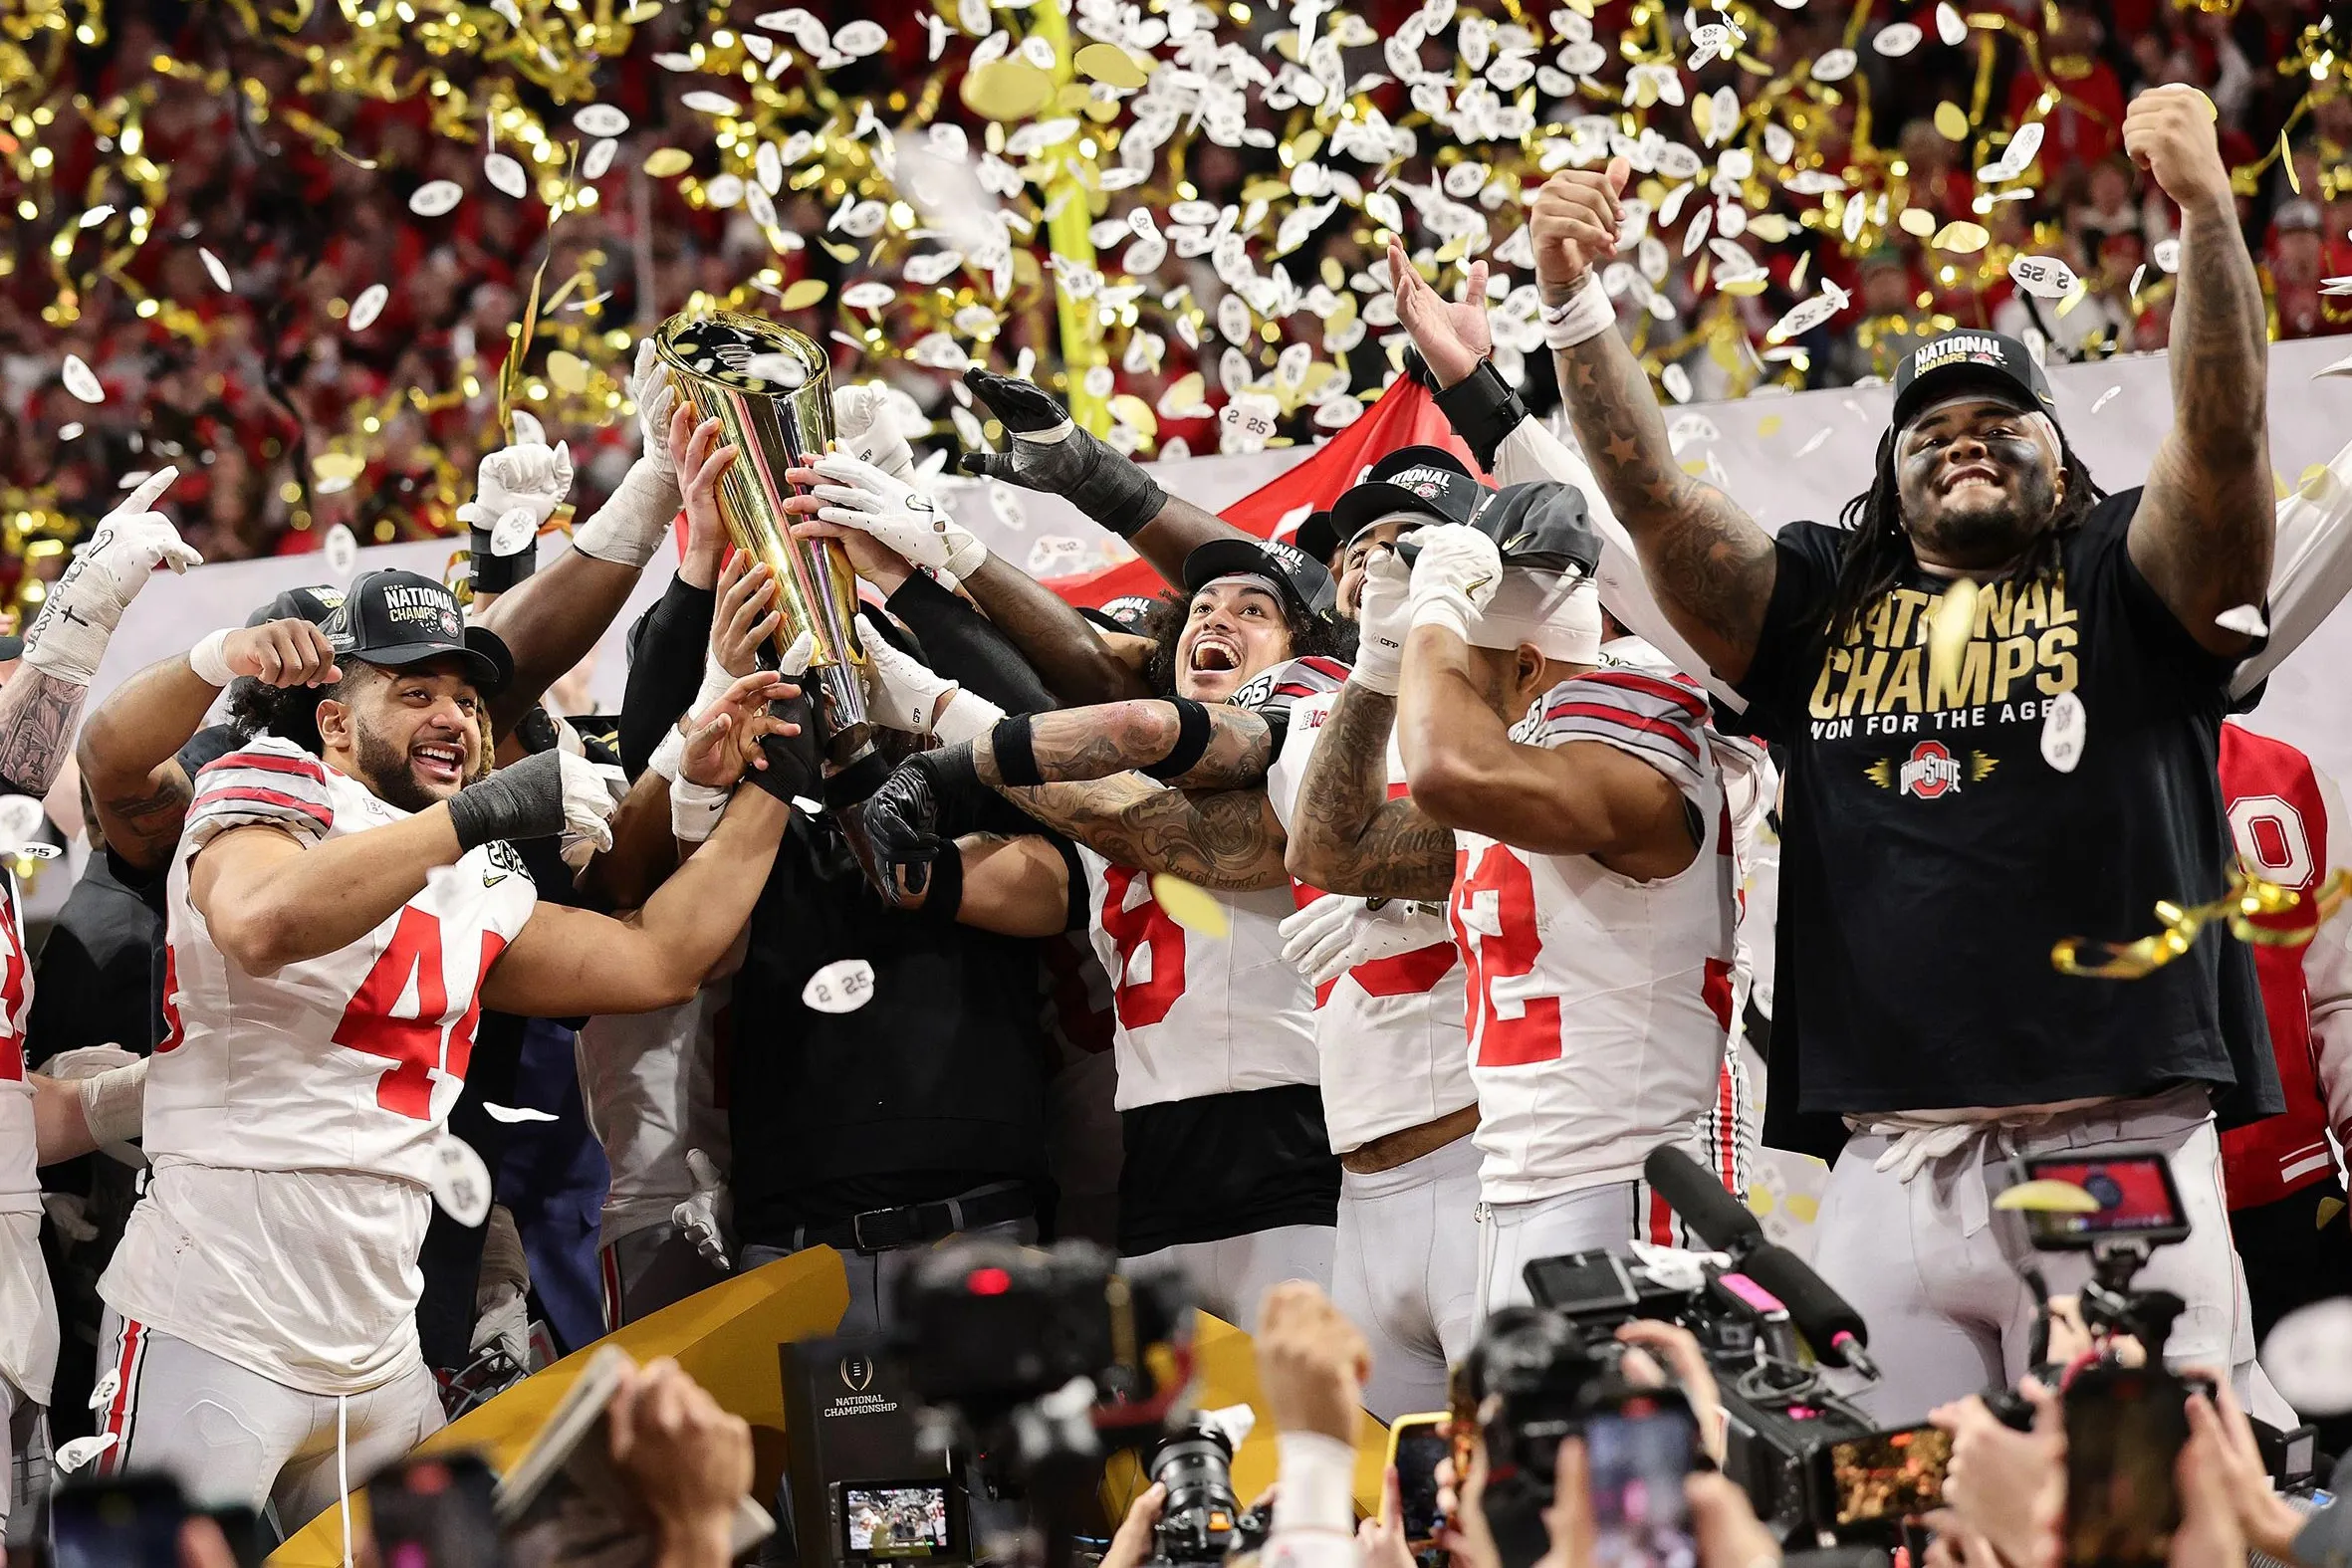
771 391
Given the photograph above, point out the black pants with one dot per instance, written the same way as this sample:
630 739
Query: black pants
2291 1260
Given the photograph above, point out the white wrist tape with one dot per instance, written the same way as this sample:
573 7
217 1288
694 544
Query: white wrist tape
1314 1484
695 811
629 529
716 683
670 754
968 716
114 1103
1585 314
209 662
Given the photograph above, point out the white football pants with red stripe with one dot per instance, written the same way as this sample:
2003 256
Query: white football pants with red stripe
235 1437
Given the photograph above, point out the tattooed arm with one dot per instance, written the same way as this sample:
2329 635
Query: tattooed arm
2205 529
1229 840
37 714
1346 834
1710 563
1079 744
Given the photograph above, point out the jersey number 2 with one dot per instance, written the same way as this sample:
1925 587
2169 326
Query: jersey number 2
413 1041
1145 1001
1529 1033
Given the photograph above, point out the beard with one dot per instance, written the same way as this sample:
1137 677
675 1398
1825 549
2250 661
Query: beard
1982 537
386 768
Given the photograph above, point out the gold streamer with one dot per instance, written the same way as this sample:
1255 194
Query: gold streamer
2248 899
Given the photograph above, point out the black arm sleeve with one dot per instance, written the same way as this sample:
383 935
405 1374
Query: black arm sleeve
963 645
669 647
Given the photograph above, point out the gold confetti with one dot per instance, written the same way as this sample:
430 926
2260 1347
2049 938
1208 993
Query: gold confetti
1111 66
1769 426
1916 221
1189 907
344 466
569 372
2294 181
801 294
1952 621
1132 410
662 162
2047 1197
1961 237
1951 121
2248 899
1007 90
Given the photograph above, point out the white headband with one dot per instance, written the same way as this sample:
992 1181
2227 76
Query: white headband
1245 579
1558 612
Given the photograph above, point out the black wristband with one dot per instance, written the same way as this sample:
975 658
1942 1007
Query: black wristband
1117 492
495 574
1484 409
944 896
1192 739
1014 750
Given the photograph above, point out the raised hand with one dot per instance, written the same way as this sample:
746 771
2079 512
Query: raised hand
289 652
746 617
902 823
899 515
1574 221
1049 452
1452 336
864 426
86 605
518 488
1454 577
2169 132
655 393
724 740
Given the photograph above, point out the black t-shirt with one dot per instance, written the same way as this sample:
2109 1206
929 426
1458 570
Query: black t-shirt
1225 1165
1930 857
91 982
934 1087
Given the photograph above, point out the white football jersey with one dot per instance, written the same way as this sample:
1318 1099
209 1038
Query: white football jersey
28 1310
1388 1033
1598 1006
649 1082
339 1069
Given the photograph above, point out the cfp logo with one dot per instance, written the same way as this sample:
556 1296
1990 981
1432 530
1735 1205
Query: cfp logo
858 1373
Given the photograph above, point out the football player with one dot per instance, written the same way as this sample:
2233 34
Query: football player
340 913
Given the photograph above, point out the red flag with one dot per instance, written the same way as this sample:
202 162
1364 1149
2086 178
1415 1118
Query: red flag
1405 415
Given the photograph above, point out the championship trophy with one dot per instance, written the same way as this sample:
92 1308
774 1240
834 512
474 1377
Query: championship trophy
769 388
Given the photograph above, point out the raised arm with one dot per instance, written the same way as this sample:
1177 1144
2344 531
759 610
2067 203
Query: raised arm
1049 452
129 749
2203 533
551 620
1709 562
1225 747
1061 644
1584 798
43 700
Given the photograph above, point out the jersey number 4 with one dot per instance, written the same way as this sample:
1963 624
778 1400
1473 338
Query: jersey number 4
1503 944
425 1036
1142 1002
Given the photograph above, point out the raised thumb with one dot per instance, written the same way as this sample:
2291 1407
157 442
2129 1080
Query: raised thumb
1620 173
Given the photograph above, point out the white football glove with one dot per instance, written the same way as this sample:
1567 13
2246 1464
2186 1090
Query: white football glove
1337 932
1383 616
655 394
896 514
518 488
863 425
901 694
593 792
703 1218
1454 577
86 605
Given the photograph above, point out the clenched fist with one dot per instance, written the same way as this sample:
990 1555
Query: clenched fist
1573 222
2170 133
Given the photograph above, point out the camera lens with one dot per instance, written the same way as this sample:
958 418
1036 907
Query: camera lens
1196 1465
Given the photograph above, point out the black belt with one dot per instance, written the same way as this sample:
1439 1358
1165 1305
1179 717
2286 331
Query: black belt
880 1230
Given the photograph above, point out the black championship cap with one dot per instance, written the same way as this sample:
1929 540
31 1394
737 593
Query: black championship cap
1301 576
1544 524
1122 614
1316 537
1965 361
314 604
1427 480
395 618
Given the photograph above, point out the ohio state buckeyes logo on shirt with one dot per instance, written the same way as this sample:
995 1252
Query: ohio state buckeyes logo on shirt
1932 770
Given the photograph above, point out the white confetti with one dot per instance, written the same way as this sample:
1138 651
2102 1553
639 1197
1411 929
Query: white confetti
72 428
869 296
1897 40
1948 26
219 272
435 197
1678 383
599 159
108 1387
1806 316
1814 442
709 103
860 38
723 190
2167 254
342 549
82 381
70 1457
2245 620
1835 64
2063 730
2310 1356
516 1113
512 533
2043 277
461 1181
2106 397
367 307
601 119
505 173
843 986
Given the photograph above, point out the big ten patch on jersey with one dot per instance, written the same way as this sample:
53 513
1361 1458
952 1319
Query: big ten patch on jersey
1881 683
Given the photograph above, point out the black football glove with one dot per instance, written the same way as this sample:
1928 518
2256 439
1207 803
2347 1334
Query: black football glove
1051 453
902 817
795 763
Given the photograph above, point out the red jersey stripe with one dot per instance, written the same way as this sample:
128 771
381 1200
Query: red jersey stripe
1630 719
268 763
1674 692
321 814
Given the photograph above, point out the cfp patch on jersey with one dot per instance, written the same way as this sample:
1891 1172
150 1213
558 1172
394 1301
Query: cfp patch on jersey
505 861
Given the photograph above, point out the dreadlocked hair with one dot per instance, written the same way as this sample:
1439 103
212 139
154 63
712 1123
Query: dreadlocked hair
1878 553
1319 636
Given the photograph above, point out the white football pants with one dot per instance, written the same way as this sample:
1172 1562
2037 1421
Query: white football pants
1405 1272
1230 1277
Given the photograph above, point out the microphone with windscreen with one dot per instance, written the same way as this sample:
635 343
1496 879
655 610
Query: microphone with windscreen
1834 1329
